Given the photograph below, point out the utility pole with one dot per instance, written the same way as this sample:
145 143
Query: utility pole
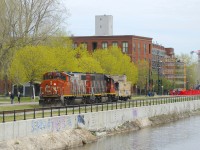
158 68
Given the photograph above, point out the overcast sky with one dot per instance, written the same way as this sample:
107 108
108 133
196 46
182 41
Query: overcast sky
171 23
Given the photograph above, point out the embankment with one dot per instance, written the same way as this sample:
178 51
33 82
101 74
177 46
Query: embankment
64 132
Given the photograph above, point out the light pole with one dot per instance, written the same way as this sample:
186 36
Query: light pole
158 69
162 89
146 86
136 89
153 88
187 85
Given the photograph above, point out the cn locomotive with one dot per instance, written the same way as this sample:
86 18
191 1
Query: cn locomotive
68 88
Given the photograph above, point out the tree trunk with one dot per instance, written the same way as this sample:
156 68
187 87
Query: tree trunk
6 85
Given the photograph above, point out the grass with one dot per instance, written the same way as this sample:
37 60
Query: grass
22 105
22 100
19 107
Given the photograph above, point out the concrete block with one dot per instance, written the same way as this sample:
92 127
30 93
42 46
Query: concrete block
2 131
29 127
15 129
9 130
22 130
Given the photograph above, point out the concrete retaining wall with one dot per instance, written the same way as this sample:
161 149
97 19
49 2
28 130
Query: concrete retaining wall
95 121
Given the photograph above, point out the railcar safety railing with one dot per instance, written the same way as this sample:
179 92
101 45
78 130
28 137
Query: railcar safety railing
15 115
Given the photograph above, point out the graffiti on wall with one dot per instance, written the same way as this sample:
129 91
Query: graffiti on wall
38 125
52 124
81 121
58 123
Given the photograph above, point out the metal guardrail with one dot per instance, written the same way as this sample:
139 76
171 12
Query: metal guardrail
14 115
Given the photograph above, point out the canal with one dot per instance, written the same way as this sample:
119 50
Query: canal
183 134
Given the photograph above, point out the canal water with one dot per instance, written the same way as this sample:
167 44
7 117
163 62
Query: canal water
183 134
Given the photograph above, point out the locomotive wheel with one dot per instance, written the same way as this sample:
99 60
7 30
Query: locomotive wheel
91 99
98 100
109 99
112 98
84 100
69 101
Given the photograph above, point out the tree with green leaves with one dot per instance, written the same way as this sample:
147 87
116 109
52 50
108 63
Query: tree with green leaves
191 65
143 74
114 62
26 22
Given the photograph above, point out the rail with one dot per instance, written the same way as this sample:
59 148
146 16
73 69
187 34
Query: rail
14 115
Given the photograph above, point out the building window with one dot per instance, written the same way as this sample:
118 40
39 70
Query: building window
114 44
144 49
104 45
74 45
84 45
138 46
125 47
134 47
138 51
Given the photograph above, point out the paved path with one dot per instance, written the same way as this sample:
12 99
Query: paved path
17 104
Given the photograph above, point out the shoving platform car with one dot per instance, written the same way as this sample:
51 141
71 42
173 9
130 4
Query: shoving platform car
62 88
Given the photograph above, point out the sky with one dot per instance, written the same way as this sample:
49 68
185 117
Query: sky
171 23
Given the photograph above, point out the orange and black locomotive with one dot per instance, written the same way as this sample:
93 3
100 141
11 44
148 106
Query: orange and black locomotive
64 88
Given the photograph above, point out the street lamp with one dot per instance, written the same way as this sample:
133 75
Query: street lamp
187 85
159 81
153 89
146 86
136 89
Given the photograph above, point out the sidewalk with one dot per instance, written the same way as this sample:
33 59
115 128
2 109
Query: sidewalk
16 103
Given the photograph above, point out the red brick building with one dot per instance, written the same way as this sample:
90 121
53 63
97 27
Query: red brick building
137 47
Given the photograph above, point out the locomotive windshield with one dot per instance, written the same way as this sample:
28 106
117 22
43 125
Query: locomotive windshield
54 75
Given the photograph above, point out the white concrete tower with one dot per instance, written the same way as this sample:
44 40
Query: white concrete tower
103 25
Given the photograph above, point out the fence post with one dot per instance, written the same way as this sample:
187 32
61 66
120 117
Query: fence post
59 111
125 104
3 117
66 110
73 110
42 112
102 107
85 109
24 114
51 112
107 105
14 116
129 104
34 113
136 103
91 107
79 109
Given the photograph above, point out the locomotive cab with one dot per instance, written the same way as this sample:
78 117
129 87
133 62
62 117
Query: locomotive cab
52 87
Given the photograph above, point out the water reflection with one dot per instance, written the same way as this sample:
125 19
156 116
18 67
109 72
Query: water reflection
183 134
